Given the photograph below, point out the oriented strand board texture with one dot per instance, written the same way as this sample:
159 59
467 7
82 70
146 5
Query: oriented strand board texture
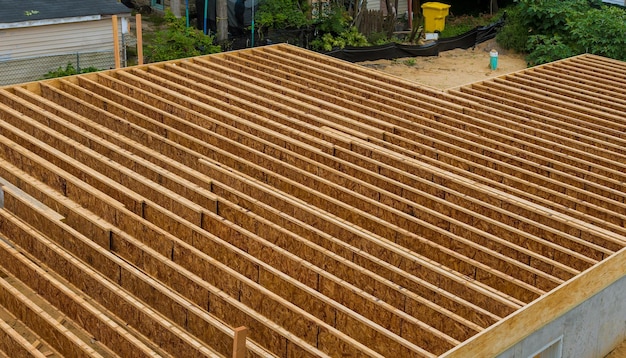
329 209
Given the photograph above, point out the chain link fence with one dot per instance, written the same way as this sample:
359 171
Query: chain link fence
36 68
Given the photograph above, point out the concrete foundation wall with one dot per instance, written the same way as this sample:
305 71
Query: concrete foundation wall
590 330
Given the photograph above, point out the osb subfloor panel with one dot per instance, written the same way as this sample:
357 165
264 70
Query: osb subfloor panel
330 209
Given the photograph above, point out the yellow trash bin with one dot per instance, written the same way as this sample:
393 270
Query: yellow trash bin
435 16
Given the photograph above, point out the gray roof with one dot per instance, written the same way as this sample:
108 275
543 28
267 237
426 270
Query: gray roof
32 10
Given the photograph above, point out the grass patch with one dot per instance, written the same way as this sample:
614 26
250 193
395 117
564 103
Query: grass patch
457 25
409 62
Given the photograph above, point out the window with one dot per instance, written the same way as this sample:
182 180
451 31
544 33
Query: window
553 349
158 4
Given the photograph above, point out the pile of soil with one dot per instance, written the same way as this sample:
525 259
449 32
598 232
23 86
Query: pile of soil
452 68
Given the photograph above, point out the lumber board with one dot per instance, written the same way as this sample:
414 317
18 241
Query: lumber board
510 183
614 241
277 118
13 344
591 110
592 103
51 330
580 94
337 198
579 73
187 189
349 297
292 294
130 285
373 191
124 221
581 81
321 105
602 134
199 290
105 293
331 209
366 80
110 170
305 216
401 163
341 268
342 254
532 317
339 204
586 68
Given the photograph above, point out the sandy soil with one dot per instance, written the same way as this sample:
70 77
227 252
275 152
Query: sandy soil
452 68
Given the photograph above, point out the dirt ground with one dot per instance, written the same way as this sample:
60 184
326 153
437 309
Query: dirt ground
452 68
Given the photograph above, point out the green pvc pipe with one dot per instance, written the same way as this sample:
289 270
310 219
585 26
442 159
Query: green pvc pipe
206 10
252 23
187 12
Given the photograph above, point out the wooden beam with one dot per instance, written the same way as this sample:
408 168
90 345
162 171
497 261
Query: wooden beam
116 41
503 335
13 342
239 343
139 39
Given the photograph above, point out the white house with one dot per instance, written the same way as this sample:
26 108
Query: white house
39 36
615 2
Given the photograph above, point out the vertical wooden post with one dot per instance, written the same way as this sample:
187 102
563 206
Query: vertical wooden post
175 7
239 343
221 19
116 42
139 40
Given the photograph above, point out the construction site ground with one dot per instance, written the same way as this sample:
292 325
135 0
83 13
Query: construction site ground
452 68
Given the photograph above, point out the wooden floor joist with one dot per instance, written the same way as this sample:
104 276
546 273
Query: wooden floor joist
13 341
330 209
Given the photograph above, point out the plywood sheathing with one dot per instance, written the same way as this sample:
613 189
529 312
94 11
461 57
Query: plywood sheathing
326 207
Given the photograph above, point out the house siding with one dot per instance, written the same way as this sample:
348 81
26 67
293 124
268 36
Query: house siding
28 53
23 43
615 2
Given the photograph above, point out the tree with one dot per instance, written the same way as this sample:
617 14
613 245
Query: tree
179 41
549 30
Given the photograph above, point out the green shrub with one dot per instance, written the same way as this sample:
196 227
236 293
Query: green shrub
600 31
69 70
328 42
457 25
381 38
179 41
334 21
547 17
549 30
282 14
543 49
514 34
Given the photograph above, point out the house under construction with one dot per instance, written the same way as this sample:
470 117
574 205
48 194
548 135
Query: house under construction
330 209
